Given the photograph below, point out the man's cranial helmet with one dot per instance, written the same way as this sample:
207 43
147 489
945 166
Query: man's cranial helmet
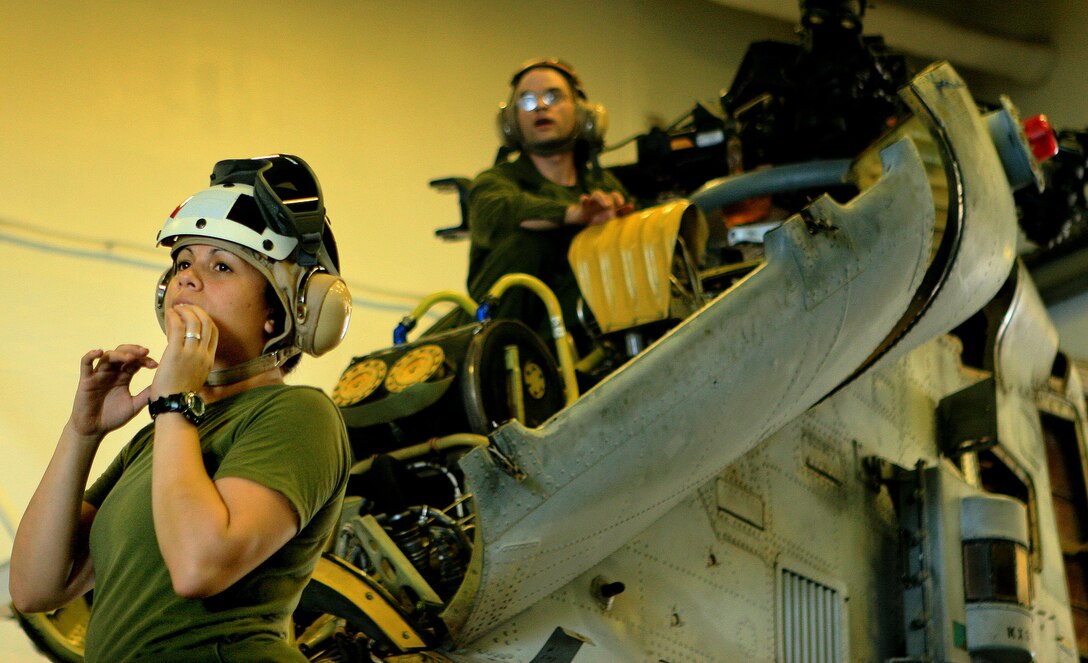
269 211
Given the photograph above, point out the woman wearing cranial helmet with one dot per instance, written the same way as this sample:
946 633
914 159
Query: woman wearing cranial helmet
199 537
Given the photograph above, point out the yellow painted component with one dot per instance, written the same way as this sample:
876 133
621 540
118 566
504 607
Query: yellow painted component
462 300
417 365
433 445
564 344
393 569
359 381
369 600
591 361
61 632
535 382
515 381
623 266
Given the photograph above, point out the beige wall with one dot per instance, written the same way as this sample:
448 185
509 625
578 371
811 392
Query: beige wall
112 113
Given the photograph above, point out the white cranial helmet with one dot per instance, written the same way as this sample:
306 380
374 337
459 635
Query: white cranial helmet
270 212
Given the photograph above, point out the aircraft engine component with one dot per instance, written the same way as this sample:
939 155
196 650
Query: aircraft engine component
624 267
341 589
994 530
870 258
972 259
459 380
417 555
873 251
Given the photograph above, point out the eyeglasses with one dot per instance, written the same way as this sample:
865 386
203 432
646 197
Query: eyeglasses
530 101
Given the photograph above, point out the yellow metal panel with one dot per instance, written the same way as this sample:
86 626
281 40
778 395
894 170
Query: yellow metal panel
623 266
369 599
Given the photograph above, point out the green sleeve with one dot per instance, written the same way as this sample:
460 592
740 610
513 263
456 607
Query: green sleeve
297 447
498 204
504 196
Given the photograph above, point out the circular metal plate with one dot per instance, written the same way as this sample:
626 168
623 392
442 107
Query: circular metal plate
415 366
359 381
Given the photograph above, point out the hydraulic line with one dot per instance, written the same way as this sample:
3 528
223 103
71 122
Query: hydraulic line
564 344
430 446
408 323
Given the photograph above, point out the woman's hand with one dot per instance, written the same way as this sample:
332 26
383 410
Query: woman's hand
103 401
191 341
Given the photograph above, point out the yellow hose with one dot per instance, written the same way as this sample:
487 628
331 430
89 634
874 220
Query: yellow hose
587 363
564 344
435 444
459 298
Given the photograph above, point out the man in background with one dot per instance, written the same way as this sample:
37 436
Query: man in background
524 213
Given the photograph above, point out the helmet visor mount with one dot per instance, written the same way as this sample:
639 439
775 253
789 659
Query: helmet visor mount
288 196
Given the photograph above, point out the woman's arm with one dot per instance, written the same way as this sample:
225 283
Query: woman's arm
211 533
50 561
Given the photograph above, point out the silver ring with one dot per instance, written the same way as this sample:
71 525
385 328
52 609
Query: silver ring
192 335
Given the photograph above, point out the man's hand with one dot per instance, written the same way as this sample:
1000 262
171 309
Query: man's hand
597 207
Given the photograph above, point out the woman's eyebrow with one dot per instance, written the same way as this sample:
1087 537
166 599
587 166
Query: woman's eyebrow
216 251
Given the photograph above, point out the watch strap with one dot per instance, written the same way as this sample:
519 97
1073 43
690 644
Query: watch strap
188 404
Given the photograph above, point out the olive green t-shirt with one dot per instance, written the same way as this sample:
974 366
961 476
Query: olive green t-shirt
287 438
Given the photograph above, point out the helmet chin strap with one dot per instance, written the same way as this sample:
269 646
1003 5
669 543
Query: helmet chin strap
248 369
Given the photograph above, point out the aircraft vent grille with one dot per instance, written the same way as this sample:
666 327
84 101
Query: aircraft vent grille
811 620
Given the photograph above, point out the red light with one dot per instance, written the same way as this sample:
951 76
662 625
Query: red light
1044 144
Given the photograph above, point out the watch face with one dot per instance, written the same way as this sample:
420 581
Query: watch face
195 404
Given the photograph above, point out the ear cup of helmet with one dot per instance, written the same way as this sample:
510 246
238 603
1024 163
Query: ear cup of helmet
160 297
322 312
508 126
591 121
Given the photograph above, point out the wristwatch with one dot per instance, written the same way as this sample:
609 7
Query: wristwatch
188 403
